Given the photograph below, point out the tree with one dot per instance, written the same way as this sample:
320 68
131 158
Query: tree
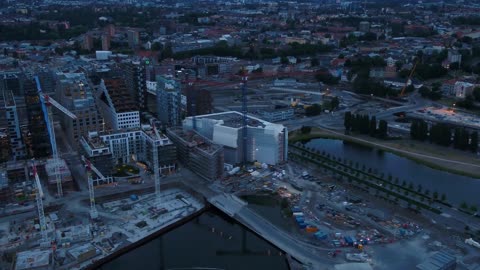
424 91
347 121
314 62
464 205
156 46
373 126
313 110
419 188
443 197
383 129
284 203
306 129
441 134
327 78
435 195
410 88
474 141
333 103
476 94
461 139
284 60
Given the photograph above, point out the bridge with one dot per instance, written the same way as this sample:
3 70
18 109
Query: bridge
311 256
307 254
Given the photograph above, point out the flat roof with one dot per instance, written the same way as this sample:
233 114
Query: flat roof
193 139
437 261
32 259
77 251
234 119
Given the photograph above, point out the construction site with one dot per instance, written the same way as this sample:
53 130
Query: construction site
45 225
70 239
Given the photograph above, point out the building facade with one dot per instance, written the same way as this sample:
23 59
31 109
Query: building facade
17 147
266 142
135 79
169 101
198 153
117 107
463 89
75 94
122 147
39 142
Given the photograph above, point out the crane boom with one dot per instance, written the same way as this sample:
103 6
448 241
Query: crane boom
59 106
90 166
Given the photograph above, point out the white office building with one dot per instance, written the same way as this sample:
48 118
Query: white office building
266 142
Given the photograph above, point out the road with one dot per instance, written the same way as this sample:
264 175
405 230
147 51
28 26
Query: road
297 91
416 102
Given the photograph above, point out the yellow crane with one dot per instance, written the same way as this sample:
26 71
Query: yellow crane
402 93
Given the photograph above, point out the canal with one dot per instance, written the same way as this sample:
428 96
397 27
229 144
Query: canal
457 188
211 240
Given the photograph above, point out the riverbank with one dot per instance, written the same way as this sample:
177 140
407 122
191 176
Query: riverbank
98 264
424 153
128 223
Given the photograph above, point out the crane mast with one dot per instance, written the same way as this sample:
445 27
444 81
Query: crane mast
156 173
244 112
93 207
46 103
38 197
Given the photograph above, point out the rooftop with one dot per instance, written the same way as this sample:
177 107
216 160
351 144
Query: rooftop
234 119
193 139
33 259
437 261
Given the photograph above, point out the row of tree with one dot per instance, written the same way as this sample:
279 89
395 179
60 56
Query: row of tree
442 134
355 172
364 124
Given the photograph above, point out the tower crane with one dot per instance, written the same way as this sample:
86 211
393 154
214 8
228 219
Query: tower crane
38 197
408 79
156 174
244 112
101 177
46 102
93 207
